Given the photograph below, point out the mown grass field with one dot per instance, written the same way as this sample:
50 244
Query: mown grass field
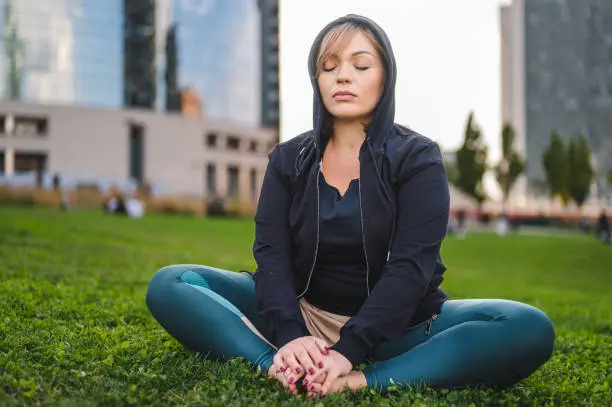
74 329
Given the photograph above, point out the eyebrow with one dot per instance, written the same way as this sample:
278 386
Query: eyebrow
354 54
361 52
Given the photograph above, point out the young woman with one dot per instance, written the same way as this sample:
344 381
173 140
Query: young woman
349 226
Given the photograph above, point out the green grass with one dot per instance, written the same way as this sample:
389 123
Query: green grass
74 329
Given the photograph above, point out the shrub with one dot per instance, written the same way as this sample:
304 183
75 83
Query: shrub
176 206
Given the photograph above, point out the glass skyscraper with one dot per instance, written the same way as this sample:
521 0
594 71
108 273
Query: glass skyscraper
133 53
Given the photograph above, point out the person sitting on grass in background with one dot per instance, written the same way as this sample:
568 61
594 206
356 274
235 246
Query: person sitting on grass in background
349 225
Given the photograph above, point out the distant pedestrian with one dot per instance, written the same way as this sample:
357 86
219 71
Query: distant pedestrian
603 228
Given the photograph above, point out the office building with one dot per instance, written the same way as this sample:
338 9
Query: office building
134 53
163 92
269 63
556 59
173 155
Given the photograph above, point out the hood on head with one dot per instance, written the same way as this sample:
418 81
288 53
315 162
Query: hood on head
384 112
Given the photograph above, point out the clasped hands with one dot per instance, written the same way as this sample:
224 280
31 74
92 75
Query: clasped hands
309 359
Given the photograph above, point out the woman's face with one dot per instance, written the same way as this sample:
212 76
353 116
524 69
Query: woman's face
351 80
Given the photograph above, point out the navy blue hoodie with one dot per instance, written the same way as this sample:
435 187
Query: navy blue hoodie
405 207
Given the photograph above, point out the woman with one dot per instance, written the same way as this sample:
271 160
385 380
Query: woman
349 226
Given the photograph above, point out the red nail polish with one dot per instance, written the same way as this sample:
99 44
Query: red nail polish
298 370
311 370
311 388
290 380
320 365
305 382
283 369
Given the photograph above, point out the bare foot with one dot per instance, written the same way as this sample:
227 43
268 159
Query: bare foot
353 381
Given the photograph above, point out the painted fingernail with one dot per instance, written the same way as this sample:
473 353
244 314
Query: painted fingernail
298 370
320 365
311 370
290 380
305 382
283 369
311 388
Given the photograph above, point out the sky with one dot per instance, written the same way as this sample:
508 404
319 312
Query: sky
447 54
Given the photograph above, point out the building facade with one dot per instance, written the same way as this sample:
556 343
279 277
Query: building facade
556 76
269 63
134 53
174 155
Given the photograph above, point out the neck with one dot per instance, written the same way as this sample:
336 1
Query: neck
348 135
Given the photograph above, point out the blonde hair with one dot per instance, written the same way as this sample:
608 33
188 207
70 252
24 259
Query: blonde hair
337 37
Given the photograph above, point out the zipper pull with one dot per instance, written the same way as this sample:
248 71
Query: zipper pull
429 322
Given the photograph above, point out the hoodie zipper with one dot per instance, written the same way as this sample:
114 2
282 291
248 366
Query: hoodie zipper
363 238
314 263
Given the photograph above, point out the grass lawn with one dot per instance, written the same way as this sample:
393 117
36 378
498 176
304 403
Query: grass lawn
74 329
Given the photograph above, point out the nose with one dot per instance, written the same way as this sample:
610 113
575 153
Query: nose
343 75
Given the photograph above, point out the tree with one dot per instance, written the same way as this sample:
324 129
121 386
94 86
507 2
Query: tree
472 161
451 172
610 177
556 168
581 172
511 164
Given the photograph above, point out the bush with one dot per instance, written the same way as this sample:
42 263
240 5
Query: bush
5 196
30 197
239 209
86 196
176 206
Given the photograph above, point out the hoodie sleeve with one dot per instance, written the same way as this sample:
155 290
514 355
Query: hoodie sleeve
274 281
423 205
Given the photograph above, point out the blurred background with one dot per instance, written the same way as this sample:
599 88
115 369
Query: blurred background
173 105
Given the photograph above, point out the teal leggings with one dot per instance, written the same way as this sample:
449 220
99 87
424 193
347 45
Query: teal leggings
472 342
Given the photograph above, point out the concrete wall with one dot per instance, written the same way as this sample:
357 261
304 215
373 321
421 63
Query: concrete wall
94 143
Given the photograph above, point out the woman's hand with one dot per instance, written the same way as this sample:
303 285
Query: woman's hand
336 366
300 356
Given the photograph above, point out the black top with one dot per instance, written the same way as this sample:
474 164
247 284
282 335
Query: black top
338 282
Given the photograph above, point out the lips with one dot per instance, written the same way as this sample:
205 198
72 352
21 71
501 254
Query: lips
343 95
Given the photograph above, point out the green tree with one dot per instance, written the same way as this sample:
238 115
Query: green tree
472 161
451 172
581 172
556 168
511 164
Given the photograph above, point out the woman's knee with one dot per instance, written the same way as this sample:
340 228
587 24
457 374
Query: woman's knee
161 283
537 330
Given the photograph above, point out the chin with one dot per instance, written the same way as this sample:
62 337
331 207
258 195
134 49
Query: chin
348 113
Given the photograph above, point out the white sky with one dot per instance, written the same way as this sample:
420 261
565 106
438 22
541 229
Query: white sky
448 59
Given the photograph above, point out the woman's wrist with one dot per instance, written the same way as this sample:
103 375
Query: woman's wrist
351 347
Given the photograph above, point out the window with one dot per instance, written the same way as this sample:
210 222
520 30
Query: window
211 180
31 162
137 153
253 146
30 126
1 162
211 139
233 143
2 129
232 179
